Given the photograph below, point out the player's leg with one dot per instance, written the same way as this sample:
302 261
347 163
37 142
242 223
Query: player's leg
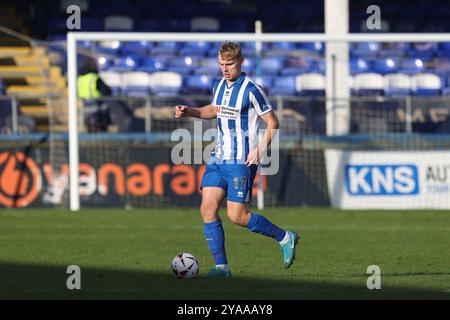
213 192
239 196
212 198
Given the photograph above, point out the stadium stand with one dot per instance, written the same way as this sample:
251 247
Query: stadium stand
288 69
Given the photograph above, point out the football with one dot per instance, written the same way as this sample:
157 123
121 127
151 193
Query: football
185 266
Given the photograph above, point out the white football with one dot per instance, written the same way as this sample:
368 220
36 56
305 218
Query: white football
185 266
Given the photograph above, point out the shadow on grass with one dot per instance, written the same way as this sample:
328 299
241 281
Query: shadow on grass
22 281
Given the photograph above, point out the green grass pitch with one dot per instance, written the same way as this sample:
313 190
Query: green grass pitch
127 254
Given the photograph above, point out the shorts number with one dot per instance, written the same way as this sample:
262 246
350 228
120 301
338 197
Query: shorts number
243 181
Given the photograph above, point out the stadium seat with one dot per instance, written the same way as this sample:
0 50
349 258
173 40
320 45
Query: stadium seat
169 48
369 84
166 83
104 62
137 47
182 65
249 48
296 65
109 47
384 65
136 84
312 47
444 49
125 64
197 48
365 49
280 48
198 84
394 50
423 50
208 66
266 82
426 84
272 65
204 24
118 23
310 84
411 66
249 65
113 80
358 65
214 49
283 86
397 85
157 63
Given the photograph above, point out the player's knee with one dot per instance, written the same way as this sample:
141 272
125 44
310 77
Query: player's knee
238 217
209 211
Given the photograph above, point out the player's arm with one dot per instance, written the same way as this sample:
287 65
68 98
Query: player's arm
271 120
206 112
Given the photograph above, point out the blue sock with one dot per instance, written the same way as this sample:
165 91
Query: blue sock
216 240
261 225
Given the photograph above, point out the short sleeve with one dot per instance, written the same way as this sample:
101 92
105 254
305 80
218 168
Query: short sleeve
260 101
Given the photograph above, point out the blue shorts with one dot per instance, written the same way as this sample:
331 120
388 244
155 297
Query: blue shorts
235 179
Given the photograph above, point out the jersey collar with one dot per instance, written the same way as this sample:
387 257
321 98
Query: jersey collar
238 81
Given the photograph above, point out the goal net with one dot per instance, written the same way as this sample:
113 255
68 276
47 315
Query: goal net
375 136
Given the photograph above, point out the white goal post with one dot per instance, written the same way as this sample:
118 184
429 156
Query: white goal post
73 37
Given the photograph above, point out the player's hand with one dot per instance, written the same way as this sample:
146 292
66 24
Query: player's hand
253 157
181 111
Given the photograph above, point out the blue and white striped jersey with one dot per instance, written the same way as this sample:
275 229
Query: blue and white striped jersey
238 109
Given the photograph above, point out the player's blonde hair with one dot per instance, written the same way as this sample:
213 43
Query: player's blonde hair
230 51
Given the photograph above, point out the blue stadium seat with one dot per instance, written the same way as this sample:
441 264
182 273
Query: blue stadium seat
315 47
295 66
426 84
208 66
109 47
183 65
198 84
136 84
266 82
137 47
358 65
282 47
198 48
283 86
125 64
365 49
411 65
157 63
165 48
423 50
444 49
272 65
394 49
384 66
249 65
104 62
